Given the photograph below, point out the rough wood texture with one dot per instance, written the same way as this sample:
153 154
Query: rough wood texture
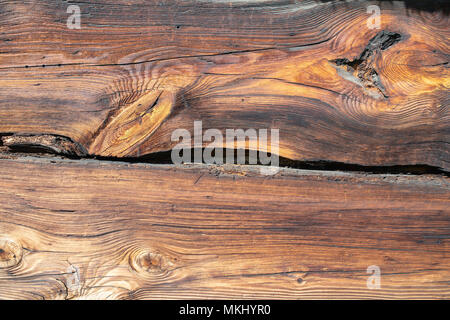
137 70
146 231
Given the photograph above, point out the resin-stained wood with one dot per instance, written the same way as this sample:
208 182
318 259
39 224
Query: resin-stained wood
138 70
95 229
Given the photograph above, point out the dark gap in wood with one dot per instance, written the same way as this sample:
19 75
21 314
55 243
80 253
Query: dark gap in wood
165 157
4 134
417 169
42 143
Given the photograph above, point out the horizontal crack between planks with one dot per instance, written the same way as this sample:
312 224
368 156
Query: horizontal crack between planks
50 145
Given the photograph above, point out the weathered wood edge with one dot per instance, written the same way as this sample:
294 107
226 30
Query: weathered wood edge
146 231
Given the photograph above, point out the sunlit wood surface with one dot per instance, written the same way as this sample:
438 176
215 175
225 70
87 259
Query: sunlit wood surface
78 220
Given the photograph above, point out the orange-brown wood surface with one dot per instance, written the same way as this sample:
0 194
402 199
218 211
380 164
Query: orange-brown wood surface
135 231
83 112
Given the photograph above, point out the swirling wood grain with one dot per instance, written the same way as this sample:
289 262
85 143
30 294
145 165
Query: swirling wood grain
267 64
86 229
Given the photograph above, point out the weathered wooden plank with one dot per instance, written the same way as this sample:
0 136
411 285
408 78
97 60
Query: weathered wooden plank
337 90
160 231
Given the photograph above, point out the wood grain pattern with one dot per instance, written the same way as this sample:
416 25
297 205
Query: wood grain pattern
137 70
135 231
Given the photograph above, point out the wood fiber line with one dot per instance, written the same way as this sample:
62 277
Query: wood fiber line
138 70
73 229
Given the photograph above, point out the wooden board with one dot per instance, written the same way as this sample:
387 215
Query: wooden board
137 70
135 231
83 214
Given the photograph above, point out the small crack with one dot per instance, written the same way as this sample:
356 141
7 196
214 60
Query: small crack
138 62
289 48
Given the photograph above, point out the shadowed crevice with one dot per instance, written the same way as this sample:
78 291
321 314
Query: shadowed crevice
42 143
39 146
